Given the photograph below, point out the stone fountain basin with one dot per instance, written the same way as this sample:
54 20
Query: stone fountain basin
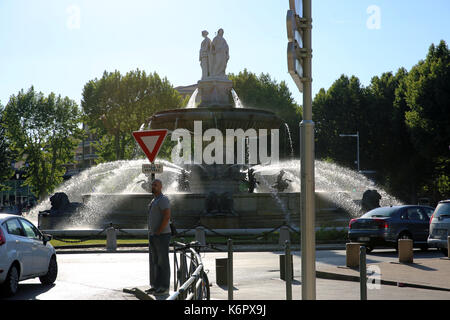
215 117
252 211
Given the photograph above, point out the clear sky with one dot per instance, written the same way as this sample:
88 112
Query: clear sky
59 45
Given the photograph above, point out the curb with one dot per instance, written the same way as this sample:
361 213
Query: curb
342 277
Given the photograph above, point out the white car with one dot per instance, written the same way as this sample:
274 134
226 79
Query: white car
440 227
24 253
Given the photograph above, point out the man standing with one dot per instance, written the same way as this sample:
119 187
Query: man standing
159 239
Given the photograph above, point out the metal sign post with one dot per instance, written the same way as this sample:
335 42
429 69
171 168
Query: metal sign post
299 25
150 142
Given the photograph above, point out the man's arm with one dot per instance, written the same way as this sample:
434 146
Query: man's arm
165 220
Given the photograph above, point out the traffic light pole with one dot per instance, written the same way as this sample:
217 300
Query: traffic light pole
307 200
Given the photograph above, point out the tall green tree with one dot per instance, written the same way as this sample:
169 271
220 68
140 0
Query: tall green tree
403 123
263 92
5 152
342 109
116 105
394 155
43 131
428 99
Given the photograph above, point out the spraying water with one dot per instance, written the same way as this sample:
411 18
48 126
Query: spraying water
290 139
118 177
191 103
338 184
237 101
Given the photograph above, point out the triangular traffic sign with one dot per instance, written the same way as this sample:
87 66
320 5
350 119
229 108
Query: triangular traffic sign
150 141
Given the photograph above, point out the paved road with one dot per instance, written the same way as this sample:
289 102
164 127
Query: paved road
102 276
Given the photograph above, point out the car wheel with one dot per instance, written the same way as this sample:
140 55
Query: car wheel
424 248
52 273
11 284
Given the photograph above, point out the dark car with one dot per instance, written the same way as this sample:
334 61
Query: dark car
384 226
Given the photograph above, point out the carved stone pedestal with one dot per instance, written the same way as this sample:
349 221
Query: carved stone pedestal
215 92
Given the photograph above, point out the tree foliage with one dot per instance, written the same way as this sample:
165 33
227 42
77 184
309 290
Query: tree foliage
116 105
43 131
427 95
5 152
262 92
403 123
339 110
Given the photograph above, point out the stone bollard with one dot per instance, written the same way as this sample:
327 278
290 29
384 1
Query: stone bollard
352 254
111 239
405 251
284 236
200 235
44 221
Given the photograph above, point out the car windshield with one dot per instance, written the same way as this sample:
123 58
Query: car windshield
384 212
442 209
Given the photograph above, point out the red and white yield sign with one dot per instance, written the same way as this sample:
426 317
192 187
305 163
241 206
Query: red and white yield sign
150 141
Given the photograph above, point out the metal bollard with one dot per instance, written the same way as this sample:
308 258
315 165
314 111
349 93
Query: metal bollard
222 271
230 269
405 251
352 254
288 271
200 235
111 239
363 273
284 236
448 247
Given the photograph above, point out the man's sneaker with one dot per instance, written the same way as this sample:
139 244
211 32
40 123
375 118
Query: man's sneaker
151 290
162 292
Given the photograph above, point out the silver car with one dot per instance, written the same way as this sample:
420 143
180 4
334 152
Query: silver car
24 253
440 227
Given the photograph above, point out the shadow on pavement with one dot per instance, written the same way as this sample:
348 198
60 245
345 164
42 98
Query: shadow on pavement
29 291
418 254
416 266
225 287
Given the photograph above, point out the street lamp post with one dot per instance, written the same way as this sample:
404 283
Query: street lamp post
357 146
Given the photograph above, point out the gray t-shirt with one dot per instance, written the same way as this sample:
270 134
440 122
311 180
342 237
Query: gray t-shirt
155 217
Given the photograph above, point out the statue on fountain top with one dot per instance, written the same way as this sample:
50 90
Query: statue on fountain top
205 55
214 87
220 54
214 56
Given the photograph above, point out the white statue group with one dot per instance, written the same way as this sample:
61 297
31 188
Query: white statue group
214 56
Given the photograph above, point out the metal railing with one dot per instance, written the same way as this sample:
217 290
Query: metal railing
190 280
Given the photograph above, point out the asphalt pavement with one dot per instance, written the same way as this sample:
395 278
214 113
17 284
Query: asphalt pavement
97 275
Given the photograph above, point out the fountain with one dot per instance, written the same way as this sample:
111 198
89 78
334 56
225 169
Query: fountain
212 192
